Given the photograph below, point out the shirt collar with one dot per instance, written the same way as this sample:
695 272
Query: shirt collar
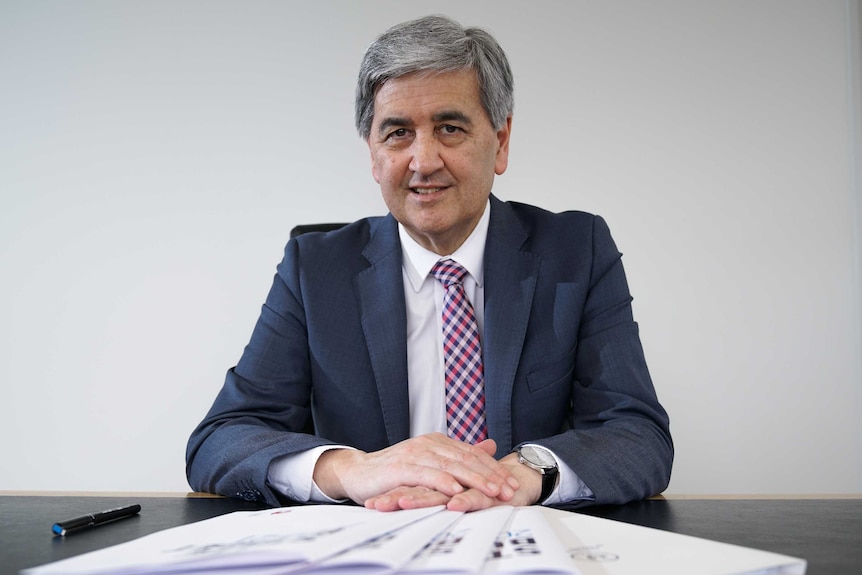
418 261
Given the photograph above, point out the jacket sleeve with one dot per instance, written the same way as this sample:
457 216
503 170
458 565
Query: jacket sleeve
263 410
618 441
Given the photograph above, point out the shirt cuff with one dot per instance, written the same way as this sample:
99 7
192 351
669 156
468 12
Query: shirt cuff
569 487
293 474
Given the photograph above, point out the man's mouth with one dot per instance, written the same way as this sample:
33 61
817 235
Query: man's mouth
423 191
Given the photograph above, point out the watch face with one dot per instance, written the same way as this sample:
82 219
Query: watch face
538 456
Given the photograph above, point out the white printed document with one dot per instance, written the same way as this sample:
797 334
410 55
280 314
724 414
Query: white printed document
605 547
270 541
342 540
389 552
528 544
464 547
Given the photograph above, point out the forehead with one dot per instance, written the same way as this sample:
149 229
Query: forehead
419 95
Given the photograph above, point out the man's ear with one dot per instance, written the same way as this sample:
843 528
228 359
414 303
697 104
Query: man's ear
503 135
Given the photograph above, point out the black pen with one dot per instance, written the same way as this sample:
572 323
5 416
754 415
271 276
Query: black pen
70 526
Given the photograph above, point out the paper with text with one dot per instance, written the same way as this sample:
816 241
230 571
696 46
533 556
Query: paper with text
528 544
287 538
464 547
337 540
389 552
605 547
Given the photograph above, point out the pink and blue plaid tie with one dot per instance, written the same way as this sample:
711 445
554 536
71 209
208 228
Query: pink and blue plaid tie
462 356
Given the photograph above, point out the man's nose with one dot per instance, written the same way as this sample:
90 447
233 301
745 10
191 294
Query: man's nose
426 155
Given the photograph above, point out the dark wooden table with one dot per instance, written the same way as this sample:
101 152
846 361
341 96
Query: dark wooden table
826 532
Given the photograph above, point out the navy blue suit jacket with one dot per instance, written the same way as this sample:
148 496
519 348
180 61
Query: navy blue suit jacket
327 361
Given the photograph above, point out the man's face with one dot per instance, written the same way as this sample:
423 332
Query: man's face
434 153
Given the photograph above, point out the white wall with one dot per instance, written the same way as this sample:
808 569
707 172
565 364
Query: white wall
154 155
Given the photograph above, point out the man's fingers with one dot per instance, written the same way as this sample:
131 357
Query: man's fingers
475 467
472 500
439 462
443 466
407 498
489 446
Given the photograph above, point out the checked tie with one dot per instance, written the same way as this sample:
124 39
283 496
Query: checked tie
462 356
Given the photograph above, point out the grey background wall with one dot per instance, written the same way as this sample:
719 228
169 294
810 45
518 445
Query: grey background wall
154 155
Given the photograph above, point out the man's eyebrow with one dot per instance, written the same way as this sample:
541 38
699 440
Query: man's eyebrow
452 116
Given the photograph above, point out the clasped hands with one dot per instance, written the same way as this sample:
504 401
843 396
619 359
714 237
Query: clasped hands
426 471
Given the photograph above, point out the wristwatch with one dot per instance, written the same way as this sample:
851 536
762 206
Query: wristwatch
540 459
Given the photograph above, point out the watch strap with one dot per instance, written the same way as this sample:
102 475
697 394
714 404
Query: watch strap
549 482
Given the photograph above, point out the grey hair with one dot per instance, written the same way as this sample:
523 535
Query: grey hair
435 44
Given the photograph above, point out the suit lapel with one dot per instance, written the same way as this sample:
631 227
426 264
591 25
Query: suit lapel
510 282
380 294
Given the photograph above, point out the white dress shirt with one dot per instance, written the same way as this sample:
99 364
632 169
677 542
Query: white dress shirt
423 296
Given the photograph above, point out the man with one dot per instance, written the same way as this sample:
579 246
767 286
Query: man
368 379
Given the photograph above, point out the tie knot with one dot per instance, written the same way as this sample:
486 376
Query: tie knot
449 272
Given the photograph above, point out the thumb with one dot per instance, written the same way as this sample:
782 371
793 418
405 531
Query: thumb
489 446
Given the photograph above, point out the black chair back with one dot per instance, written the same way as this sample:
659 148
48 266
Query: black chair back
305 228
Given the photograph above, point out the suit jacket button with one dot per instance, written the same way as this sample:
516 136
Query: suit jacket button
249 495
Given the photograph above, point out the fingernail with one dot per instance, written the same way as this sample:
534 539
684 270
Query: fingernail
513 483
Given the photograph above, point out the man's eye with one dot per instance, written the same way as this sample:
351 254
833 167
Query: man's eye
447 129
399 133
